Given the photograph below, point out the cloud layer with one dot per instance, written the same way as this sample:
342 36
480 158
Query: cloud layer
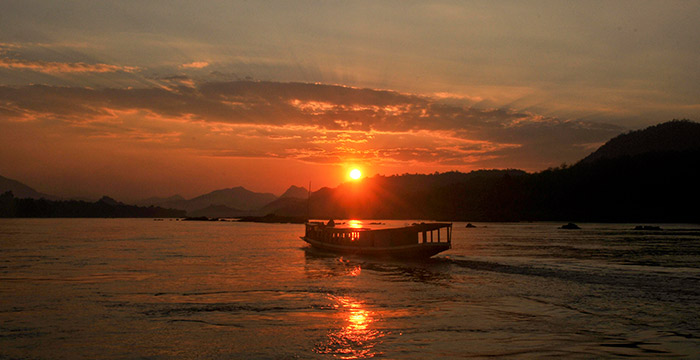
313 123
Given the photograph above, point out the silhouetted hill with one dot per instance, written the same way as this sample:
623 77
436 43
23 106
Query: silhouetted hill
109 201
287 206
21 190
291 202
676 135
11 206
237 198
218 211
650 187
295 192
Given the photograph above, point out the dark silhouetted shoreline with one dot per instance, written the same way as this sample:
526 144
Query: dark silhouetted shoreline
103 208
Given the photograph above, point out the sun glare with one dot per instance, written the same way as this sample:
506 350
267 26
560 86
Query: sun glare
355 174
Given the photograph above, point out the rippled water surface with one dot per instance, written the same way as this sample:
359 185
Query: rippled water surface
137 288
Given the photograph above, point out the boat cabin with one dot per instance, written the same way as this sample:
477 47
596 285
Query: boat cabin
365 240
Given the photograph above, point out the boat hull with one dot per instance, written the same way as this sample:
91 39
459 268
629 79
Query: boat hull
420 250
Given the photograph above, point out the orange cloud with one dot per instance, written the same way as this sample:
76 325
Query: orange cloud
195 65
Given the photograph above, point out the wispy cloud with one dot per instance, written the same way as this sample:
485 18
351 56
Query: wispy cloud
50 67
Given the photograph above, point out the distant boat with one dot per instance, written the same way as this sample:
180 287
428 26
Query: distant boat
416 241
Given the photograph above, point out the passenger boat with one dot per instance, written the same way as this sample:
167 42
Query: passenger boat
416 241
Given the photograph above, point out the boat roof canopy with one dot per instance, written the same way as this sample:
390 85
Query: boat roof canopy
416 226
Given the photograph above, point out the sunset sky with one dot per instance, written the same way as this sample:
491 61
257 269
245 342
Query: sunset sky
155 98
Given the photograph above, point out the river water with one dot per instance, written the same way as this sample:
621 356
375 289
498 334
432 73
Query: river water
144 289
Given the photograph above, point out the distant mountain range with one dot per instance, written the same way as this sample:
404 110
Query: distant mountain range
231 202
21 190
106 207
644 175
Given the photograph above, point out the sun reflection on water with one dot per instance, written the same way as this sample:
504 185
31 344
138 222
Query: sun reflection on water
355 224
357 338
357 270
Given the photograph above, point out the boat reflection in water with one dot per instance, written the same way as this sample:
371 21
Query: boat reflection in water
357 338
321 265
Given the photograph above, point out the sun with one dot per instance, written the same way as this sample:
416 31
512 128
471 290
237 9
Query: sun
355 174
